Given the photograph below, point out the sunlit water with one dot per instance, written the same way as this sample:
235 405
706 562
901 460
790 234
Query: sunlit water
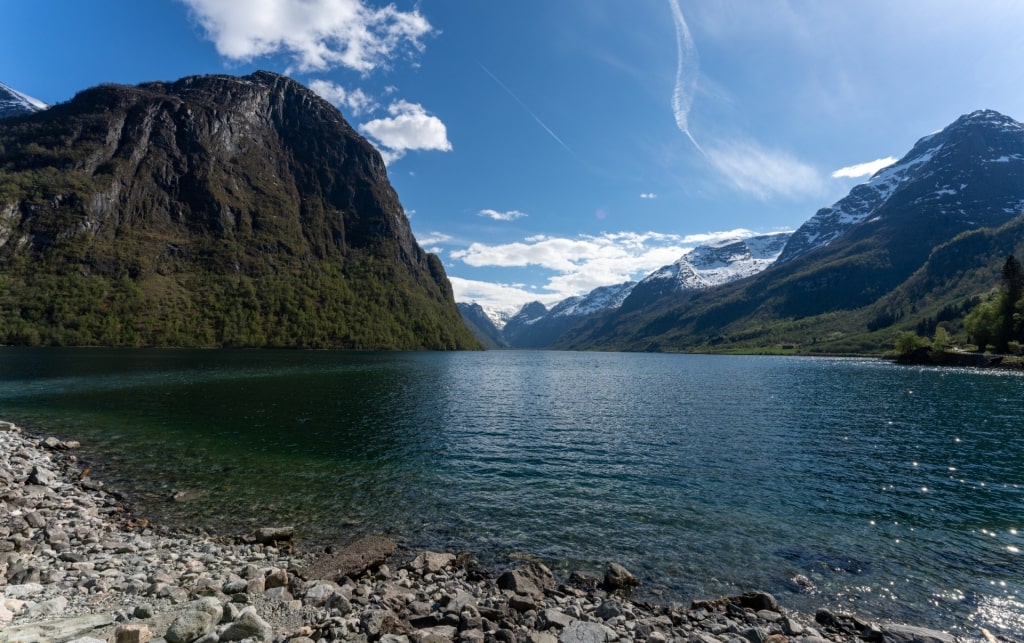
897 492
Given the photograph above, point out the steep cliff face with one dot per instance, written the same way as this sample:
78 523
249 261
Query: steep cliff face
223 184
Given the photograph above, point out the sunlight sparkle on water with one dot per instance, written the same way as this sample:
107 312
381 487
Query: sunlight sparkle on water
1002 612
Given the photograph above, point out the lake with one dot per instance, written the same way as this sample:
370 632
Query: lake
896 492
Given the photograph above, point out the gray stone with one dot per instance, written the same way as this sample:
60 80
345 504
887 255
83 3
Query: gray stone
23 591
609 610
378 622
584 632
320 594
274 535
49 609
276 578
557 618
60 630
431 562
619 579
531 580
41 476
248 625
143 611
189 626
353 560
278 594
34 520
892 633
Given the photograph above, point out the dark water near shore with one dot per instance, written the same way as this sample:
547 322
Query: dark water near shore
899 492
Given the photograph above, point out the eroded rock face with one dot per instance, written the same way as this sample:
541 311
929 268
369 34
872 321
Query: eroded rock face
208 177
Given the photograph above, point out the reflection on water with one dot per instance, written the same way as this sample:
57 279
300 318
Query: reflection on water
893 492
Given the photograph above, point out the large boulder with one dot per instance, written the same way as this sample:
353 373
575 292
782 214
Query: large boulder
358 557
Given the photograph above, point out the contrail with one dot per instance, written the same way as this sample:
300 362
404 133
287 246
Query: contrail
686 74
528 110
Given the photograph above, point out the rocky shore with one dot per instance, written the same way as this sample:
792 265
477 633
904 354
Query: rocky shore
76 566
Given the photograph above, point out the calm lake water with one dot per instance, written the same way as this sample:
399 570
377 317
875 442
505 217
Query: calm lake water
898 492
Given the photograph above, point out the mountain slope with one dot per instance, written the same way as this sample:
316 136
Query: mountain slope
481 324
847 257
14 103
214 210
708 266
536 326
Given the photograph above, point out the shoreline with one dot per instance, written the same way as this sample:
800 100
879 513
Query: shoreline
76 566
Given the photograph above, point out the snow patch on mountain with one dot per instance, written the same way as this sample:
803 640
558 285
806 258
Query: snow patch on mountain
929 156
15 103
603 298
722 262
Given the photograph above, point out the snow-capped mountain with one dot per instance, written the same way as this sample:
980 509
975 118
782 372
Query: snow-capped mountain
597 300
537 326
710 265
937 171
14 103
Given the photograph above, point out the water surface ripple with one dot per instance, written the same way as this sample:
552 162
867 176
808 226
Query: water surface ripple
895 492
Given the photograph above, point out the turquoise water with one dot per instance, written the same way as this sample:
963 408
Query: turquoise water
898 492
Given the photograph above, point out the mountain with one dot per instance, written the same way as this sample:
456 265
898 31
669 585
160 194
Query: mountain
14 103
209 211
966 172
481 323
708 266
536 326
830 288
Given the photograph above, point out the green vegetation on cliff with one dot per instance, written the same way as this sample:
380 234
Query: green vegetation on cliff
213 211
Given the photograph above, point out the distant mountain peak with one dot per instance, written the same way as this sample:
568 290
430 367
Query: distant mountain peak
937 171
15 103
710 265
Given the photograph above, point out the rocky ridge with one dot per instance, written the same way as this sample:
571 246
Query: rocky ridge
76 566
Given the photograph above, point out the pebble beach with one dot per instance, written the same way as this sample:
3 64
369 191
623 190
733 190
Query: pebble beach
76 565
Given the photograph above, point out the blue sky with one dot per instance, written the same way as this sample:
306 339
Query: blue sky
543 148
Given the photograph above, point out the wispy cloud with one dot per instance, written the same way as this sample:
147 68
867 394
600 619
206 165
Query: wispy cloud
433 239
511 215
764 173
409 127
529 111
577 264
316 34
863 169
356 101
648 195
687 71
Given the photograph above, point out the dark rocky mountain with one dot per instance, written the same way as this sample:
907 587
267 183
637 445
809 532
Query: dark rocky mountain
825 292
14 103
210 211
482 325
967 175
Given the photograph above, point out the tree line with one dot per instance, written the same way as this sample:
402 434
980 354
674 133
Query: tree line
998 321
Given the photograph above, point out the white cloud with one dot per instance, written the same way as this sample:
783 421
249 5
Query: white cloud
764 173
863 169
356 101
648 195
504 297
433 239
316 34
511 215
578 264
410 127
